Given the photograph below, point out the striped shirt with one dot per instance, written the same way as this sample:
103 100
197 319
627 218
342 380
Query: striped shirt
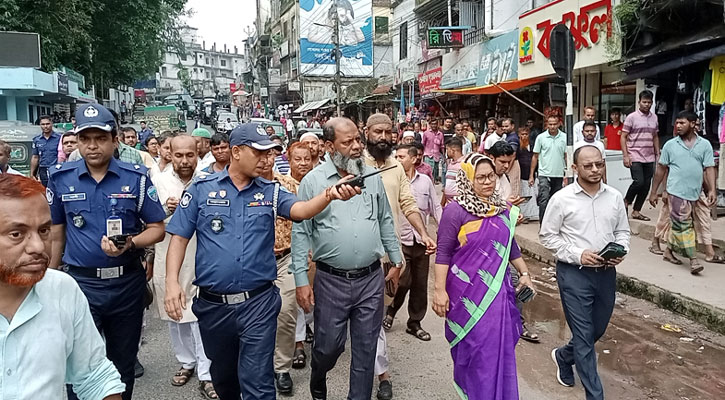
641 129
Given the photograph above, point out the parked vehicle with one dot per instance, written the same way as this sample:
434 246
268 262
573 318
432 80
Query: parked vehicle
163 118
220 122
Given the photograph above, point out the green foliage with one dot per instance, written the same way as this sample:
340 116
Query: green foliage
627 13
185 78
112 42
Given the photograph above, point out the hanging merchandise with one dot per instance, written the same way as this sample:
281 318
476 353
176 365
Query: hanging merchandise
717 88
700 106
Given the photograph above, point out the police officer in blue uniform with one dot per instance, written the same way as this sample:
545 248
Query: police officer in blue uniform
232 213
45 150
99 206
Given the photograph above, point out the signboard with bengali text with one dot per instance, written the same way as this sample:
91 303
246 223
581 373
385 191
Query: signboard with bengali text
446 37
590 22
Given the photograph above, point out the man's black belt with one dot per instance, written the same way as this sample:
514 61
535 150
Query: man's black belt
349 273
282 254
104 272
234 298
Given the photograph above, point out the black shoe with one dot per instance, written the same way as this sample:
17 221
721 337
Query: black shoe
385 390
564 373
284 383
319 390
138 370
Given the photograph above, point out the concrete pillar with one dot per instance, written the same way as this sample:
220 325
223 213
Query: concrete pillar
11 108
21 106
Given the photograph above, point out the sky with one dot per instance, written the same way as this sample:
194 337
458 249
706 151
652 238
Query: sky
222 21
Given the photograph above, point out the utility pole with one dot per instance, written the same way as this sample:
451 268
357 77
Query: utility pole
338 78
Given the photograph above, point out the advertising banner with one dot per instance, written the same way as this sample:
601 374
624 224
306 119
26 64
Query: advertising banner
461 68
447 37
317 32
429 81
590 23
499 59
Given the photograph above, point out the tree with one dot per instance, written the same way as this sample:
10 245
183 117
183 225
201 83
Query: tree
111 42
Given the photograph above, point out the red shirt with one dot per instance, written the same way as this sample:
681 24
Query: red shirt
613 136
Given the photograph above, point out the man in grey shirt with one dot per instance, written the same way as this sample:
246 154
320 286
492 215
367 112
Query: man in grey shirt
347 241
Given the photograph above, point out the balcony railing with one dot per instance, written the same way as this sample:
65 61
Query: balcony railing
474 36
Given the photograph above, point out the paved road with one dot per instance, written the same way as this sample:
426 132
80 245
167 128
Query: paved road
638 360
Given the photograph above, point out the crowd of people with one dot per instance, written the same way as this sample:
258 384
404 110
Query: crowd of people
250 244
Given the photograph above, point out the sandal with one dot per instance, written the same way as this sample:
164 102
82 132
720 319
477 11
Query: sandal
672 260
696 268
529 336
182 376
656 251
388 322
419 333
716 260
207 390
641 217
299 359
309 334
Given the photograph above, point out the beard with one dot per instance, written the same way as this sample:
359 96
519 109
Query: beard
11 275
380 150
353 166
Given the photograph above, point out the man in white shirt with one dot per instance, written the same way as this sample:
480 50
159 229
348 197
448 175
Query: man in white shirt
495 136
589 114
581 220
5 167
185 335
203 145
461 134
48 335
589 134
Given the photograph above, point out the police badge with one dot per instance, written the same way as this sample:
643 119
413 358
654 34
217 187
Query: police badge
217 225
79 221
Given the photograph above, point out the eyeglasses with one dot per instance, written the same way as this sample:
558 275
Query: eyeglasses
599 165
482 179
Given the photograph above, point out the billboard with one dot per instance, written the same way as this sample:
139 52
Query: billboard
20 49
499 61
317 28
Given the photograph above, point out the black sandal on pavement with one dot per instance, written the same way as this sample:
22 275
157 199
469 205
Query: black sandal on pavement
182 376
529 336
672 259
207 390
641 217
299 360
696 268
716 260
654 250
388 322
309 334
419 333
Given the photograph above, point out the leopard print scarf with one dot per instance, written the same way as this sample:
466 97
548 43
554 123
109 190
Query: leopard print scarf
467 197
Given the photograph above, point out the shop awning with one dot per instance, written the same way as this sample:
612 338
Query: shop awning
493 89
313 105
651 68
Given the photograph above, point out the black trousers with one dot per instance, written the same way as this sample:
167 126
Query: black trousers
587 297
414 279
642 174
43 175
547 187
117 309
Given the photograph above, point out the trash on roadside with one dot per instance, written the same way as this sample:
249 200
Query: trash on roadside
700 349
671 328
646 316
606 351
687 339
552 279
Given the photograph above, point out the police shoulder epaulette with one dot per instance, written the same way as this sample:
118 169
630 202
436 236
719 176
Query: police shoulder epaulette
202 177
138 168
66 166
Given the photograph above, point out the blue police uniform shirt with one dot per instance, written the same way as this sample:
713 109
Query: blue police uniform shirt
47 149
234 231
83 205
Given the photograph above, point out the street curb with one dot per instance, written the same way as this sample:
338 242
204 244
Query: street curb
647 232
712 317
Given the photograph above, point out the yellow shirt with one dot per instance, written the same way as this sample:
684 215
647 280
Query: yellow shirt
717 91
397 188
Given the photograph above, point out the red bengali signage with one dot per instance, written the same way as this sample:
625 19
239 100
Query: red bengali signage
429 81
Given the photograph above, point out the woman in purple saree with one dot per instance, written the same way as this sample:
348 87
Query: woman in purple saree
472 284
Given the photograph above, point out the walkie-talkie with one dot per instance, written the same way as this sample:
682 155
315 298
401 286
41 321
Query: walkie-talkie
359 181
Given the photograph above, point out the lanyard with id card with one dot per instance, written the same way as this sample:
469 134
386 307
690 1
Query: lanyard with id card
114 226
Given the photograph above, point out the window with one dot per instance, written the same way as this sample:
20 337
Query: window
163 72
223 63
404 40
381 25
207 61
182 57
224 74
207 75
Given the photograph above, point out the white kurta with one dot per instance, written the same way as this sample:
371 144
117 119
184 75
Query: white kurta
169 185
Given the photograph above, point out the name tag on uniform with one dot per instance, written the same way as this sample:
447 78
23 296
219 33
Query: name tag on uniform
122 196
259 203
217 202
73 197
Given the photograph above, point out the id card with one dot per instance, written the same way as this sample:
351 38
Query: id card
114 227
